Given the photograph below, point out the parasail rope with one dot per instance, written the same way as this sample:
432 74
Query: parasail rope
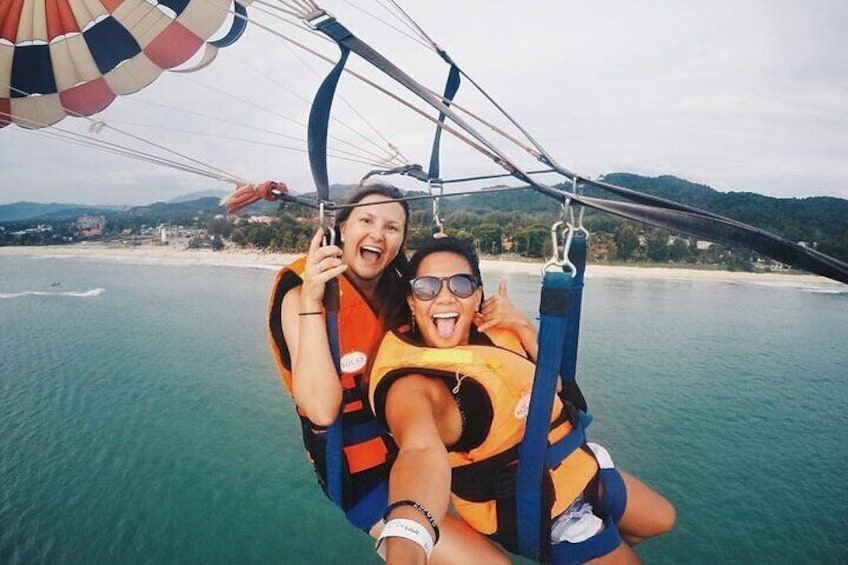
258 4
452 130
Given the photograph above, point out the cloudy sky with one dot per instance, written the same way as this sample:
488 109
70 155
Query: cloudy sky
741 96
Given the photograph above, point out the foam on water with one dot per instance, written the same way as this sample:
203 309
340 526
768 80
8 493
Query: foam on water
76 294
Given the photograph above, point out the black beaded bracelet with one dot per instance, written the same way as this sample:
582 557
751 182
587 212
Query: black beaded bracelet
421 509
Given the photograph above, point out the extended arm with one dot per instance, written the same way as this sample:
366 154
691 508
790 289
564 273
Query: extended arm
423 418
315 383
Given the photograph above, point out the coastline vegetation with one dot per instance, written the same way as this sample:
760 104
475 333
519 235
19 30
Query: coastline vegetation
512 225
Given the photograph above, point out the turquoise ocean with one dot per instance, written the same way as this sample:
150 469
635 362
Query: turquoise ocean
141 419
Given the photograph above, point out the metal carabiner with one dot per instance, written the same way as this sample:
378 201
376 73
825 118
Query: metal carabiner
575 189
561 246
438 226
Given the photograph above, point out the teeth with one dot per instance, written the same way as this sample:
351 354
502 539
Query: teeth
372 249
445 315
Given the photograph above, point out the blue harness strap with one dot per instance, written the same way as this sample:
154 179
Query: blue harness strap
319 114
451 87
559 328
335 454
532 517
568 366
319 119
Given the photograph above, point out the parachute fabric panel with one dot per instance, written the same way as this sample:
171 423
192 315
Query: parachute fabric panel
72 57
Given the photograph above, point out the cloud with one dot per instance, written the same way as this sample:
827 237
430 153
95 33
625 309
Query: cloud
750 96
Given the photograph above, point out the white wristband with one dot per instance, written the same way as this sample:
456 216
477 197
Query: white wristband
409 529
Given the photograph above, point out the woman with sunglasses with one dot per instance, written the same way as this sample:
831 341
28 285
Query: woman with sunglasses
367 264
455 400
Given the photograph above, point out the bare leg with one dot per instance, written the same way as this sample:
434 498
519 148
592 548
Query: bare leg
647 513
459 544
622 555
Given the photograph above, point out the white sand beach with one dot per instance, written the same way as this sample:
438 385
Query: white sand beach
265 260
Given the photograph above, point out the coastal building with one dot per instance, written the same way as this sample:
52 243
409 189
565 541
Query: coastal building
91 226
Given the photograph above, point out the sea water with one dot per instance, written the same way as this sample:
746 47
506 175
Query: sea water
142 421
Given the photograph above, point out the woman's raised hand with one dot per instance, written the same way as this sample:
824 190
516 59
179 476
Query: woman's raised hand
323 262
498 311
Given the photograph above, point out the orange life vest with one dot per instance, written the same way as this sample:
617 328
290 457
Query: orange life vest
368 448
506 377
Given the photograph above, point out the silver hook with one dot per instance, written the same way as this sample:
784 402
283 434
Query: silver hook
577 189
438 227
559 258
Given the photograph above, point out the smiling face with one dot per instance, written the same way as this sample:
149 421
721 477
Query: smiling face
446 320
372 238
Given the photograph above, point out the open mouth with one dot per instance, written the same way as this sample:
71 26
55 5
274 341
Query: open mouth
370 253
445 323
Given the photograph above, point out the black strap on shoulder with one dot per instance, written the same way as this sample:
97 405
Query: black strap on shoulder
568 365
319 114
451 88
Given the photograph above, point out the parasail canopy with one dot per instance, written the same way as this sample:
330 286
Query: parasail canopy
73 57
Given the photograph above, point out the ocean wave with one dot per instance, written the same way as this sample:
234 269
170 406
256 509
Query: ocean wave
76 294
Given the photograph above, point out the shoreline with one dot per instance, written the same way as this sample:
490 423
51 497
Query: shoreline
273 261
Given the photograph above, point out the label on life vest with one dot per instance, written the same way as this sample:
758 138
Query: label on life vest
353 362
522 407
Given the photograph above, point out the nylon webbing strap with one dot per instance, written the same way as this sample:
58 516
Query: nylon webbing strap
532 515
568 366
319 120
319 114
451 87
335 464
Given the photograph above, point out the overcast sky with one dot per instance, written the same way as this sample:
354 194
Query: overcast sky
741 96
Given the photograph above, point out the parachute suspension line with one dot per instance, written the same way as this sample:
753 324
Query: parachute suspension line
361 153
322 21
539 152
664 214
391 153
453 131
226 176
498 176
339 154
412 24
98 125
389 24
71 138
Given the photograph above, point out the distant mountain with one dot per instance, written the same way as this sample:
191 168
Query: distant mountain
800 219
24 211
171 208
198 195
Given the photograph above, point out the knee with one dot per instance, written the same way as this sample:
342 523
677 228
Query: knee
666 518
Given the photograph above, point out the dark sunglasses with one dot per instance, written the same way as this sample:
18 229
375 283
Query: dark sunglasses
428 288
